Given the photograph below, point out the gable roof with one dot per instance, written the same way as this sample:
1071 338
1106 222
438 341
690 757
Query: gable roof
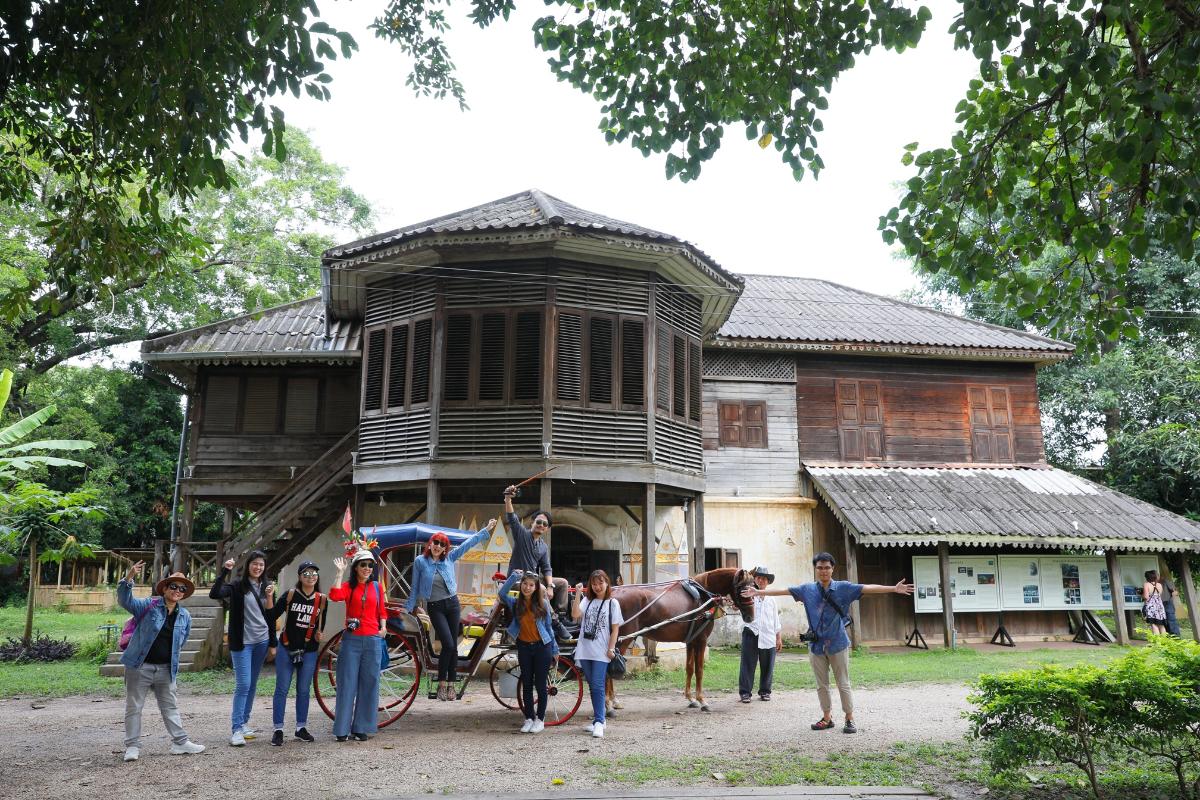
1045 507
777 312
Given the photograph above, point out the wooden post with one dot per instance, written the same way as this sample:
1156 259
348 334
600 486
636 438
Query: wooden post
433 504
182 554
1118 596
156 568
649 549
1189 594
545 502
58 584
698 542
106 581
947 600
852 576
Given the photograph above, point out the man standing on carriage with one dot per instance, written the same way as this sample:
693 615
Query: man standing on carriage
530 553
827 603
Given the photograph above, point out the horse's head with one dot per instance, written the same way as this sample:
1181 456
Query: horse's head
743 580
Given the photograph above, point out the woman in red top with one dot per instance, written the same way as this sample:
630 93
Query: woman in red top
357 710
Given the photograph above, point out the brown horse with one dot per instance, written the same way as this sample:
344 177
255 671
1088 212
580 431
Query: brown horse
691 603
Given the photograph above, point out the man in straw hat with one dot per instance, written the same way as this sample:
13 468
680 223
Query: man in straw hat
761 639
151 657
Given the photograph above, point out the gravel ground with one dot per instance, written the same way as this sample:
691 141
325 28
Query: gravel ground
71 748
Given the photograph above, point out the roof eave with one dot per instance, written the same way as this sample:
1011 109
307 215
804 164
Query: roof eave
1038 357
254 356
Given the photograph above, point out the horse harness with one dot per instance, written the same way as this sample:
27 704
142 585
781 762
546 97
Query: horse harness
706 613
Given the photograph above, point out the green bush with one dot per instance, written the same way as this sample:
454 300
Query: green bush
95 650
1146 702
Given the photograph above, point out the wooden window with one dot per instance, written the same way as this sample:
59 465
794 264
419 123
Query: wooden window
990 413
527 350
662 368
860 420
422 349
261 409
397 366
601 341
679 376
569 351
694 374
633 364
743 423
221 403
303 395
493 346
456 382
373 377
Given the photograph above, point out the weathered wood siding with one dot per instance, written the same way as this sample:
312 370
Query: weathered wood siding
926 416
771 471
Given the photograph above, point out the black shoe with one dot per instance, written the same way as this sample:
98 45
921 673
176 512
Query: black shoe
277 739
745 698
303 735
764 697
849 727
360 737
342 738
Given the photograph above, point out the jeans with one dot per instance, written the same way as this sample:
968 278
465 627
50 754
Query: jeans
139 680
445 616
534 660
247 663
284 668
752 656
357 706
596 674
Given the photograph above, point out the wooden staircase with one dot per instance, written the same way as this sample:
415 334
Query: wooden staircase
203 646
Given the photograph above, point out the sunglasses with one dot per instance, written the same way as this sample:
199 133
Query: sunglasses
436 544
539 523
367 564
176 587
309 573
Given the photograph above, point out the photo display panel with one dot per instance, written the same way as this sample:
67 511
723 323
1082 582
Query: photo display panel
974 583
1133 576
1020 582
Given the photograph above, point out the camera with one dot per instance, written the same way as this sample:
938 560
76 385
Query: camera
352 623
297 656
589 635
808 636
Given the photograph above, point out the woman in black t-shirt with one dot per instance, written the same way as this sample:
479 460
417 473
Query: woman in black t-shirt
303 609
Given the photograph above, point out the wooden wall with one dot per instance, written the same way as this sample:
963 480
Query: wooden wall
924 406
771 471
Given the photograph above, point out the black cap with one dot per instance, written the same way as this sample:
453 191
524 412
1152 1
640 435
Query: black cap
307 565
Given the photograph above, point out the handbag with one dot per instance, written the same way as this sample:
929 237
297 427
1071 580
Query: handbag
617 667
132 623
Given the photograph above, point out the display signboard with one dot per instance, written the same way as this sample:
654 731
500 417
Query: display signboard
974 583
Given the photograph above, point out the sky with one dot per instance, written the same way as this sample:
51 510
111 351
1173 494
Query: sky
418 158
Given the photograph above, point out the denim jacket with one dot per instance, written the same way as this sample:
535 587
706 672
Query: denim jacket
544 624
147 630
424 567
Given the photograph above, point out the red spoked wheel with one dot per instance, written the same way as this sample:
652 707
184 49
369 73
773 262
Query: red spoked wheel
564 689
398 683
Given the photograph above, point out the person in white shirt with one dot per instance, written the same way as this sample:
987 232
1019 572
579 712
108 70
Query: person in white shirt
599 615
761 639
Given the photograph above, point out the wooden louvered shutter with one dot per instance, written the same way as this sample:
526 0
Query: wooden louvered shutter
527 352
262 404
679 376
569 349
456 384
730 421
300 415
373 380
662 368
422 349
991 424
872 420
860 420
398 367
754 423
600 360
493 344
694 381
341 404
633 364
221 403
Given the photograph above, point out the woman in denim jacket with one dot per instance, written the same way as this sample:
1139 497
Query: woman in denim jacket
532 628
434 587
151 658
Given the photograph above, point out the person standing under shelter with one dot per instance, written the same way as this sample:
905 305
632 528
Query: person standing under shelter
826 604
761 639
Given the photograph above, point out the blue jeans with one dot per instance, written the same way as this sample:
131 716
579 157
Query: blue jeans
357 707
596 674
247 663
284 668
534 659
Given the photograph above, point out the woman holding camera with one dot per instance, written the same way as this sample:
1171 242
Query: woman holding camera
434 588
356 712
532 629
597 646
251 639
303 609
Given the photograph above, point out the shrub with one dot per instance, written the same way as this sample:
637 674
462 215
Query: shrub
95 650
40 648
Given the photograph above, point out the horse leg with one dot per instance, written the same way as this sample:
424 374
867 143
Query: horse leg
610 696
687 686
699 660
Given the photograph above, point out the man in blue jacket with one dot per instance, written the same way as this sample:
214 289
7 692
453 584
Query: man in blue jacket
151 658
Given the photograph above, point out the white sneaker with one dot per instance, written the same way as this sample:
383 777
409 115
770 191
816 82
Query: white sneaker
598 730
588 728
237 740
132 753
187 748
527 727
538 726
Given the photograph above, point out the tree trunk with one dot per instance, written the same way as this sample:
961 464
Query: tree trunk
29 598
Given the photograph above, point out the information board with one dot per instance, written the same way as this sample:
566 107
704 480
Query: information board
1020 582
1133 576
974 583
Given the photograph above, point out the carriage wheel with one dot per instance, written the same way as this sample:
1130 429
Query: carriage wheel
498 672
398 683
564 690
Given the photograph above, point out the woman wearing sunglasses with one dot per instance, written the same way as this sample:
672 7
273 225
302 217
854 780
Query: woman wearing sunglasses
303 609
356 712
435 589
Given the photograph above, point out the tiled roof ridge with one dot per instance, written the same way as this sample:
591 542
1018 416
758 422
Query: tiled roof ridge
548 205
228 322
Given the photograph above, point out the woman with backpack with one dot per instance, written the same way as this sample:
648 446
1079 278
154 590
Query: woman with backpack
532 629
434 588
356 713
303 609
151 658
251 638
601 619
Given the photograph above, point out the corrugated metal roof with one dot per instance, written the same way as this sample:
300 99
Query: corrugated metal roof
784 309
1015 506
291 332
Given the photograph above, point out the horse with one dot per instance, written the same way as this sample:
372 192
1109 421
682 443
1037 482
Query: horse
691 603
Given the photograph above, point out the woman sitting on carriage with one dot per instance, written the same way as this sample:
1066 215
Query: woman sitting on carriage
532 629
434 587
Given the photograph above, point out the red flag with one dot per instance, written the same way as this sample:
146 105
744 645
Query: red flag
347 522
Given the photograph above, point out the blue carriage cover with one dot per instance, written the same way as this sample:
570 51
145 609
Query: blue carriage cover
412 533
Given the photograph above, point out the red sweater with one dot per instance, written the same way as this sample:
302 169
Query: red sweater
363 603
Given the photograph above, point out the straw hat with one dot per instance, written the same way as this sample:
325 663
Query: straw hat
176 577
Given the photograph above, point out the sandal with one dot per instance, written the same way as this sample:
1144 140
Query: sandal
822 725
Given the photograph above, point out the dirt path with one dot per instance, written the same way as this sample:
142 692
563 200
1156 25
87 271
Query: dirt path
71 748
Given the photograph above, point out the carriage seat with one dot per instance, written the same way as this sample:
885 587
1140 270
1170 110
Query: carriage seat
469 627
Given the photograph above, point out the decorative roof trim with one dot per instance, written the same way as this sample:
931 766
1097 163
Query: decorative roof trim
877 349
970 540
263 357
